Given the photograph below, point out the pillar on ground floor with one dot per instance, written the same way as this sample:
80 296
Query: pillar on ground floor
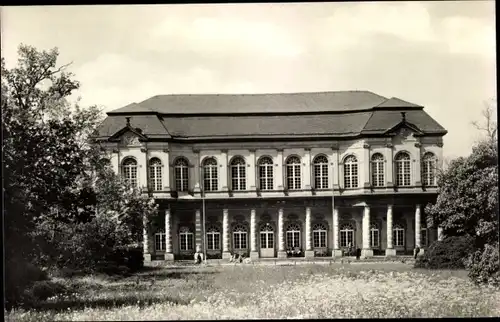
336 252
309 250
225 234
389 251
366 251
198 231
169 255
145 240
281 234
440 234
254 254
418 231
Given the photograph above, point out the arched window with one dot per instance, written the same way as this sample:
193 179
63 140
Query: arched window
266 236
350 172
346 236
378 170
293 173
160 241
320 172
238 176
429 169
210 182
186 238
266 173
239 237
129 171
403 169
293 236
374 236
213 238
155 174
181 172
319 236
398 236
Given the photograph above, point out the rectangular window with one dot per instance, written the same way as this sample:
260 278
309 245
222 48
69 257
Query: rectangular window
181 178
292 239
398 237
319 239
266 240
160 242
186 241
240 240
374 238
346 237
213 241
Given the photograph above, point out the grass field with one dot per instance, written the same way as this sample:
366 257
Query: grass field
377 290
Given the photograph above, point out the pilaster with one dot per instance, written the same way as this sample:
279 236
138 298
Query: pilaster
389 168
251 177
279 170
281 235
225 234
336 252
307 168
367 251
253 235
309 250
197 182
168 236
335 168
366 166
390 251
223 171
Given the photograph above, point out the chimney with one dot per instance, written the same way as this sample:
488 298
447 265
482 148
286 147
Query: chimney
128 120
403 115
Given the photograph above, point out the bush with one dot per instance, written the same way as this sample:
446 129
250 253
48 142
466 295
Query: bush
484 266
21 275
42 290
452 252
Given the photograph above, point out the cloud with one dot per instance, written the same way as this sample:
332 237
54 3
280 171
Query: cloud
213 35
465 35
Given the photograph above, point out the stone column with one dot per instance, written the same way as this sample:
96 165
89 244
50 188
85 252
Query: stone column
253 235
198 231
367 251
169 255
145 240
281 234
336 252
223 169
389 169
389 251
306 173
417 226
225 234
440 234
279 170
309 249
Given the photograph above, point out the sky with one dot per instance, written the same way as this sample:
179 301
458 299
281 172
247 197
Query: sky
437 54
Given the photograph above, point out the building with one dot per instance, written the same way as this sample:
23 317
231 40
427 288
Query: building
277 175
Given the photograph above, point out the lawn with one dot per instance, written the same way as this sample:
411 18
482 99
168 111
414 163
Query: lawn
246 291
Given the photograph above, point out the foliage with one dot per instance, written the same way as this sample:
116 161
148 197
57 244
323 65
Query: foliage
484 266
468 196
62 204
451 252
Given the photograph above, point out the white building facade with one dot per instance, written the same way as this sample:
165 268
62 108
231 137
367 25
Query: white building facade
279 175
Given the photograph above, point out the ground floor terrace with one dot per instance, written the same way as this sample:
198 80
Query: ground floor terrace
280 228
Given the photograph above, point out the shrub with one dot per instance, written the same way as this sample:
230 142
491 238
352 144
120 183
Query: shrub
484 266
42 290
451 252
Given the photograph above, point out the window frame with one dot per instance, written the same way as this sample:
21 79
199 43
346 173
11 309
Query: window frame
186 233
160 239
429 166
266 167
213 243
155 174
320 172
346 230
210 175
237 168
293 173
320 236
130 171
395 237
181 174
403 169
351 172
378 170
295 234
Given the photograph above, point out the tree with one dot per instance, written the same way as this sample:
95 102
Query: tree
467 203
51 170
489 125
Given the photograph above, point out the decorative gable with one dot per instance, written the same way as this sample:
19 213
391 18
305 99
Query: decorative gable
130 139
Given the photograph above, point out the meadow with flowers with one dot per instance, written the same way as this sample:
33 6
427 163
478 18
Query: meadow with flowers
251 291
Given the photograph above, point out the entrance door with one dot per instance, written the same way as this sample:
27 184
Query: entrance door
266 241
